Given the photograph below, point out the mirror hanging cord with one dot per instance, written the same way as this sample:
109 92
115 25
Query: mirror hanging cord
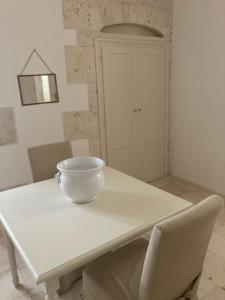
42 60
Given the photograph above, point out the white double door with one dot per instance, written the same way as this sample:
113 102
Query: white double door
134 91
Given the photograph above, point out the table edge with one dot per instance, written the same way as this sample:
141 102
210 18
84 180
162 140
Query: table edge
109 246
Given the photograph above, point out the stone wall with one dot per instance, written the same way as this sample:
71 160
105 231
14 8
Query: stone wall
87 18
8 133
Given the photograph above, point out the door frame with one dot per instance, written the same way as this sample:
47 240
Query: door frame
113 40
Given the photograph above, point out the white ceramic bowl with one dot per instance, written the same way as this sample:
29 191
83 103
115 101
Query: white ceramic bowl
81 178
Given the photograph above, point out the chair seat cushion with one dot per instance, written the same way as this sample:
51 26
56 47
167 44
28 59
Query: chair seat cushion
117 275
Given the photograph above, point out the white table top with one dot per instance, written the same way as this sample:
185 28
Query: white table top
55 236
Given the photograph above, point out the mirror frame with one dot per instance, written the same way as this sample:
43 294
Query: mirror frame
32 75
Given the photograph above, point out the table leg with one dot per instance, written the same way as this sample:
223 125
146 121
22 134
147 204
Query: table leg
51 286
12 258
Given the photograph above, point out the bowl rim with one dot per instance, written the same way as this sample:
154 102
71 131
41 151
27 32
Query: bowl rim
80 171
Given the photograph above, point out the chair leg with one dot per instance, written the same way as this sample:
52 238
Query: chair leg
51 287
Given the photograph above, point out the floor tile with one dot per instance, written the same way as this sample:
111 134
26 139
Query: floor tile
173 185
73 294
205 286
217 244
221 218
160 183
221 230
4 266
8 291
215 294
214 268
182 188
196 196
32 297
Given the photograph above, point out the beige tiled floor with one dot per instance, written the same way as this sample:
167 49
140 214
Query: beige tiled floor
212 285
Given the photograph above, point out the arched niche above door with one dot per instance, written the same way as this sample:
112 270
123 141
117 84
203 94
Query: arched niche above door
133 29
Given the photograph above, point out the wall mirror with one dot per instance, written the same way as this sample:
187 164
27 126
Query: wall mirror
38 89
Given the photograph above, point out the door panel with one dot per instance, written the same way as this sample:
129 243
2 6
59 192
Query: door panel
134 104
151 165
118 73
151 89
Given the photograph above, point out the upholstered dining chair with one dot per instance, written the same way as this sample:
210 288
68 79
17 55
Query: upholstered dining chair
166 268
44 158
43 161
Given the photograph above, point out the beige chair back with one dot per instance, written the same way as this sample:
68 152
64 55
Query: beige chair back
44 158
176 252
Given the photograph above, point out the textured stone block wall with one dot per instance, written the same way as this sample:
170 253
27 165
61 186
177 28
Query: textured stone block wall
8 134
87 18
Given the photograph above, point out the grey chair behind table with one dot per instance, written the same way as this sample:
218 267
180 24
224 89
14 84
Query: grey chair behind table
168 268
44 158
43 161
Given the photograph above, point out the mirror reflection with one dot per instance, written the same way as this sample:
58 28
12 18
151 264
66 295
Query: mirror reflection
38 89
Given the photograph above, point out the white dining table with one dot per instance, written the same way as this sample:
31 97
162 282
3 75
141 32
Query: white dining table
55 236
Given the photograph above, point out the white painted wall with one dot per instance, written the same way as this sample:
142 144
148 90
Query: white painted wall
24 25
198 93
